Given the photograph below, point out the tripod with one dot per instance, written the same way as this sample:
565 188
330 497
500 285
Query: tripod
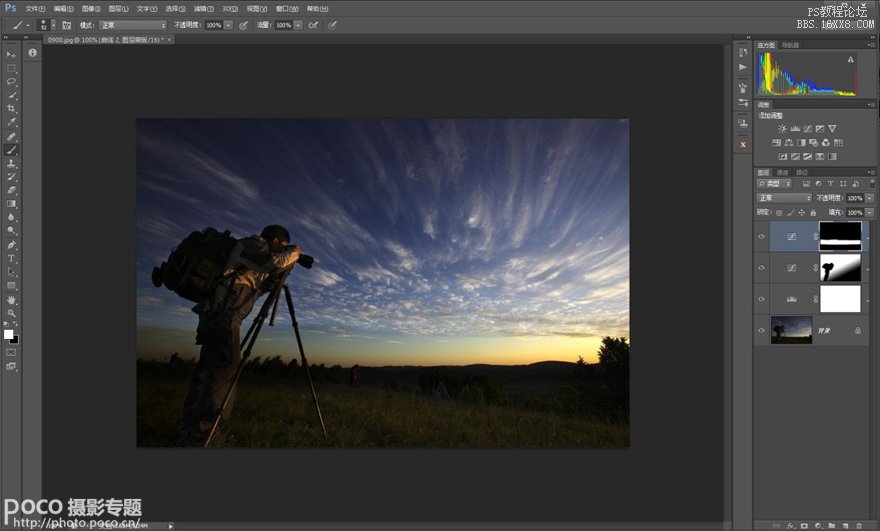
250 339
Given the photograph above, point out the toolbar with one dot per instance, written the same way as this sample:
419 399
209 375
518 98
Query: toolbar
476 17
15 53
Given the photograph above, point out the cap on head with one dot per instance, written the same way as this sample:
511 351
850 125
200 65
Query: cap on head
275 231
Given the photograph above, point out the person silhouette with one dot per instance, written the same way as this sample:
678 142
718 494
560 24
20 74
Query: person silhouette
779 330
827 267
249 268
353 375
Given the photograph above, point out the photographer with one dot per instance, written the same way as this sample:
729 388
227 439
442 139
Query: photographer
249 272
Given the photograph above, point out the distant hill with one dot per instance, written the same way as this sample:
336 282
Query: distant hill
532 377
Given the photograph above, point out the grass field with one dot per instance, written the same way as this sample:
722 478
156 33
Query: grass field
272 411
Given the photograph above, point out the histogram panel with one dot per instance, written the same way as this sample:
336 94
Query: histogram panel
807 74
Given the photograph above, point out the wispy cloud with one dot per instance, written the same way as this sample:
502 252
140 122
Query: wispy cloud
192 160
323 277
406 259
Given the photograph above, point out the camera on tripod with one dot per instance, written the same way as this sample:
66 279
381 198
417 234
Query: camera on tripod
305 260
278 287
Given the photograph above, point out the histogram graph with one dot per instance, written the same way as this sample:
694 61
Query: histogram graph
807 74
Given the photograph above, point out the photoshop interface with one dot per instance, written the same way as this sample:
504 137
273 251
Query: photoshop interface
440 265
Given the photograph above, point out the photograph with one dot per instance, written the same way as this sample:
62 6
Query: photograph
791 330
383 283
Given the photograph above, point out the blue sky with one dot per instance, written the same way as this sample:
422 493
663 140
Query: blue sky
799 326
436 241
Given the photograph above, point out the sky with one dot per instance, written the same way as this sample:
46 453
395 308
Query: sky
436 242
800 326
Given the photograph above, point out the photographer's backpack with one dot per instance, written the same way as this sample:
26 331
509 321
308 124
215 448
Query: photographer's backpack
195 266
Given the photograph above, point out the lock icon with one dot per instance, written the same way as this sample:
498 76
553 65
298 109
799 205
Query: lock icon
858 330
